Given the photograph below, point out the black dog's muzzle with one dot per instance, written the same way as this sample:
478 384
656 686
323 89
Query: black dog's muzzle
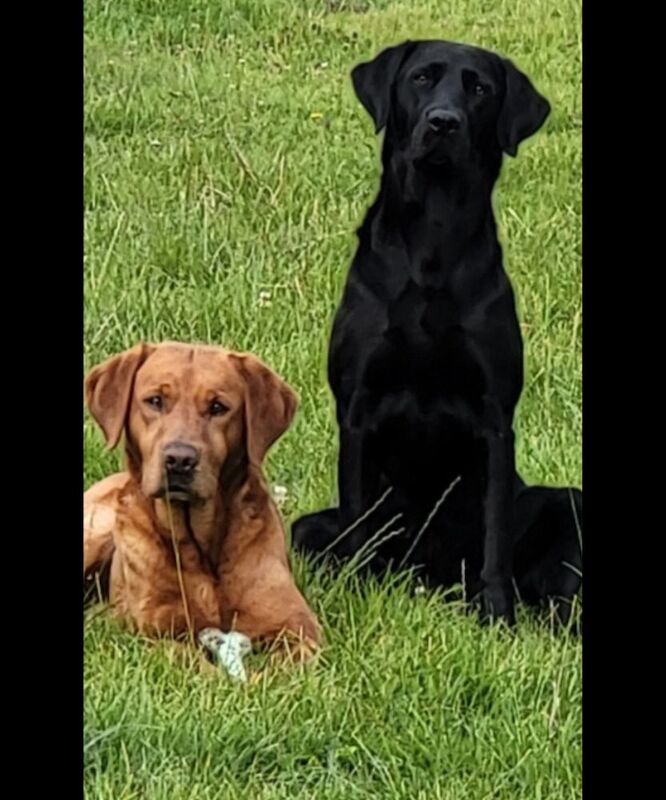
444 122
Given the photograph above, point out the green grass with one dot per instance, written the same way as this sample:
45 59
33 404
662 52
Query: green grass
208 181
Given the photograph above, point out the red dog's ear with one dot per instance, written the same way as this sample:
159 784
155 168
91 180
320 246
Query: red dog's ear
108 390
270 405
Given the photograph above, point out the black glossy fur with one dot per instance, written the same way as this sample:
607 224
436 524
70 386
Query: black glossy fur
426 356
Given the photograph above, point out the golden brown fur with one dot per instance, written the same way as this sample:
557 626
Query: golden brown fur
212 553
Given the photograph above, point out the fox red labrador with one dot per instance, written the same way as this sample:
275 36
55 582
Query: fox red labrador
189 537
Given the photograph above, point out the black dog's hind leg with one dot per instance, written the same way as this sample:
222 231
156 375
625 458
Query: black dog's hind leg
314 533
548 555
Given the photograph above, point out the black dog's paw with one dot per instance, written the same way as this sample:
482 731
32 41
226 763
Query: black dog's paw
497 605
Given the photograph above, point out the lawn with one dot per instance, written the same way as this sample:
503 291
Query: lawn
227 164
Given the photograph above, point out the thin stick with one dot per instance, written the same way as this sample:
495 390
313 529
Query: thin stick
576 520
373 553
363 517
428 520
179 571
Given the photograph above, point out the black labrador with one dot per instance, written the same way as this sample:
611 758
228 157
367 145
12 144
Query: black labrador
426 356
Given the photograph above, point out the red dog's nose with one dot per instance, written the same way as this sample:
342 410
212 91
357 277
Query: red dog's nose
180 458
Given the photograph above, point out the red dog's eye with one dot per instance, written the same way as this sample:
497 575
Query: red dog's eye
155 402
216 409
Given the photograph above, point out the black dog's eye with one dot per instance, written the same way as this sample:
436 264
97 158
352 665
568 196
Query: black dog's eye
421 79
480 89
156 402
216 409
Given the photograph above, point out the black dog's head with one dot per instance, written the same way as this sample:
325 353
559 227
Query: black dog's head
443 102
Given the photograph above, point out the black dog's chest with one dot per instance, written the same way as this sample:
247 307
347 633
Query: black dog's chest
426 350
422 314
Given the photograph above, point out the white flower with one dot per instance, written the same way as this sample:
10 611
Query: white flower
280 494
264 299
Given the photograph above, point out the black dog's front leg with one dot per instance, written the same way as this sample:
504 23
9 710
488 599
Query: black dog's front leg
497 594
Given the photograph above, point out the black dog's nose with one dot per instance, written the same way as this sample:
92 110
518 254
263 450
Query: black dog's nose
180 458
443 121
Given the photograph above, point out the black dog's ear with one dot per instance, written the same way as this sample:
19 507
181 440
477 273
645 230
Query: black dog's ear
523 112
373 81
